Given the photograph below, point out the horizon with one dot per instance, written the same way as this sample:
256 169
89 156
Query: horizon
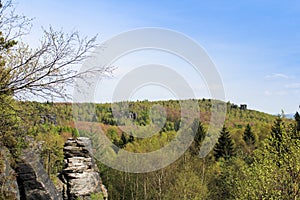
254 45
287 115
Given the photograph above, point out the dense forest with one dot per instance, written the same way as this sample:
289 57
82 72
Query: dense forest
256 156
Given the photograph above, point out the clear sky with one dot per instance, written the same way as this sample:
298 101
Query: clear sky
254 44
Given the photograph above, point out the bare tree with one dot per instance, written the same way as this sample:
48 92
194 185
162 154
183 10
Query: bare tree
47 70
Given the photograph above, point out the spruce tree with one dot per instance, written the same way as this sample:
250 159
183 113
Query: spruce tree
249 136
199 135
123 141
225 146
277 136
278 143
297 118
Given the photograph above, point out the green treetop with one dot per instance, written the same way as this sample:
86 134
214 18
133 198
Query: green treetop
249 136
225 146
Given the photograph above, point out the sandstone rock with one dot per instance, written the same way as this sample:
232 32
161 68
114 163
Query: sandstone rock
8 181
80 175
34 183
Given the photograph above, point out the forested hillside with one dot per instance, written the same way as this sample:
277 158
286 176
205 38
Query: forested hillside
256 156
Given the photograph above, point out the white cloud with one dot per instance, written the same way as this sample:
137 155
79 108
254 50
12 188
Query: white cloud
268 93
281 93
276 93
277 76
293 86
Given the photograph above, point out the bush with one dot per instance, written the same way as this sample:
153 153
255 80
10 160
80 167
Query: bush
97 196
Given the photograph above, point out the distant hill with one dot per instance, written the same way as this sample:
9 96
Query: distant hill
290 116
140 113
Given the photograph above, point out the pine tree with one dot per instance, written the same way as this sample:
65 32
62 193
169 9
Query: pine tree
277 136
297 118
249 136
278 144
225 146
123 141
199 135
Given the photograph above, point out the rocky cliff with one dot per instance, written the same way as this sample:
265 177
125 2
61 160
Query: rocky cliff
25 177
8 179
29 181
80 176
33 181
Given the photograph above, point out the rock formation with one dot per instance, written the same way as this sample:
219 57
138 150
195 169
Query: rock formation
28 180
8 180
34 183
81 175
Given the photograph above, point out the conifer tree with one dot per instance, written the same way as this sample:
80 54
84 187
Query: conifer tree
199 135
225 146
249 136
297 118
123 141
277 138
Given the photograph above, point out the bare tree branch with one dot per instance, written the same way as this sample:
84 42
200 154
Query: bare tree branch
47 70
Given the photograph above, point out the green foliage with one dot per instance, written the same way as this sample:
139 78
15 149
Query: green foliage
222 179
277 142
52 148
97 196
275 172
123 141
200 133
202 178
112 134
189 177
249 136
297 119
11 123
188 186
225 146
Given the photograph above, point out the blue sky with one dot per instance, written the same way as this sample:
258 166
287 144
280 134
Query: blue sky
255 45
